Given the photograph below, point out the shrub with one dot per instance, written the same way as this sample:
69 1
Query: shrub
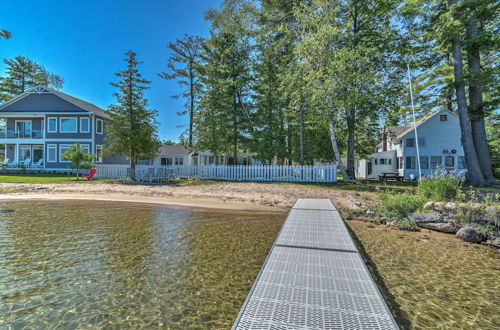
397 207
440 187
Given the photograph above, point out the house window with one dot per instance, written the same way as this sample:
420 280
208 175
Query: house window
410 143
62 149
382 161
84 125
461 162
67 125
51 153
435 162
389 161
424 162
443 117
376 161
449 161
86 148
163 162
98 154
410 163
99 126
169 162
52 124
179 161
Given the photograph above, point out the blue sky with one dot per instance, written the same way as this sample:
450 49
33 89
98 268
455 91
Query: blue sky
84 42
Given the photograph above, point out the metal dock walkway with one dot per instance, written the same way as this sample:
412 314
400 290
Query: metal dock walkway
314 278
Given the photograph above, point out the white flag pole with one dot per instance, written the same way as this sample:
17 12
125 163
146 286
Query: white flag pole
414 125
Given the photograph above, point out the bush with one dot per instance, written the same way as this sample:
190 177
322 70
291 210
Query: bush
441 187
397 207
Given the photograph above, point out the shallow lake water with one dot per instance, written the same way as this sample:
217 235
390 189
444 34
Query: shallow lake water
81 264
433 280
72 264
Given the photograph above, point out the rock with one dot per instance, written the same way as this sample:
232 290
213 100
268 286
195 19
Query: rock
470 234
475 206
428 205
450 206
439 206
443 227
390 223
493 242
425 217
370 212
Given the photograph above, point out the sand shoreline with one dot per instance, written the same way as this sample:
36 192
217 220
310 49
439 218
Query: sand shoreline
212 204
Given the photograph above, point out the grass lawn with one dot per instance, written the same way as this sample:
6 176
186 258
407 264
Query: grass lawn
37 178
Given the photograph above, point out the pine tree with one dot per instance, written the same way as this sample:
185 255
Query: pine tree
133 128
183 64
4 34
23 74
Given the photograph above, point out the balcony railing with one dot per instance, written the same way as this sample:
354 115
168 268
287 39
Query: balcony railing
12 134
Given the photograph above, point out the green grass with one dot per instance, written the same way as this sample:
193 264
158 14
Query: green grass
42 178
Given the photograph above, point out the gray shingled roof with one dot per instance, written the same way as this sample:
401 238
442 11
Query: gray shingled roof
394 131
175 150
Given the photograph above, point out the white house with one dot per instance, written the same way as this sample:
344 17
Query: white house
439 141
170 155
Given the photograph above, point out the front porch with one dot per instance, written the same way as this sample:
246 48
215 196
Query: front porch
22 156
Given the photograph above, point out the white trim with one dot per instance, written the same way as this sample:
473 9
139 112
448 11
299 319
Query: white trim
99 159
51 146
23 121
61 160
88 125
40 114
102 126
76 124
57 124
75 140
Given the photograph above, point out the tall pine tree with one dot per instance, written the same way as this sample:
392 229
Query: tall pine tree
183 64
133 130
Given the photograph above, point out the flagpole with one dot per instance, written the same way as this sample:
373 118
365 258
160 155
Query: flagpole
414 125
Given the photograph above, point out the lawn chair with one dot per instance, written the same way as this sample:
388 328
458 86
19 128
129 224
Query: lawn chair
39 163
5 163
26 163
91 174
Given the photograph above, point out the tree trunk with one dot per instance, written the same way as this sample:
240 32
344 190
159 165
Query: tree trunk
301 142
335 147
476 110
191 107
351 142
132 164
235 131
474 172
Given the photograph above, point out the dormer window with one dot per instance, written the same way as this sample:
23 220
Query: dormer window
443 118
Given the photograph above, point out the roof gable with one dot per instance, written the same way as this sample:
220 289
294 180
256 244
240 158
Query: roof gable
400 131
44 99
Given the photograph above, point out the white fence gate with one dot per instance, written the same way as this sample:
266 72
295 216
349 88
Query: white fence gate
271 173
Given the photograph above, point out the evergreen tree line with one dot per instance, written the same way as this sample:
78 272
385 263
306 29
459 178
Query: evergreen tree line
305 81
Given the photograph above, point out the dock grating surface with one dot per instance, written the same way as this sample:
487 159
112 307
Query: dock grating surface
314 278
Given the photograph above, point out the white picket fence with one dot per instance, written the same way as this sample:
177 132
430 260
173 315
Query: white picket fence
271 173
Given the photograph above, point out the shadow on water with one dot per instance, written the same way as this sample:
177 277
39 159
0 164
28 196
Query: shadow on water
399 315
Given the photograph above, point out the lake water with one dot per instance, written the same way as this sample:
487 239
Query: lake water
77 264
70 264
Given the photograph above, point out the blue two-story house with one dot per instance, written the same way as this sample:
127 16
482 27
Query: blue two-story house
37 126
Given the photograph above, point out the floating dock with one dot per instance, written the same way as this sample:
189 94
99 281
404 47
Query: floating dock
314 278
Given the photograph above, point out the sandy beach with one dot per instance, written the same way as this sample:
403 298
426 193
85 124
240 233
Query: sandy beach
223 195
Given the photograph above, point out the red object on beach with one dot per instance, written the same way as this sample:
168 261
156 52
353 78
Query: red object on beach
91 174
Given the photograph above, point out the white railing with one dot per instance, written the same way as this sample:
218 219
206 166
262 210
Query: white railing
224 172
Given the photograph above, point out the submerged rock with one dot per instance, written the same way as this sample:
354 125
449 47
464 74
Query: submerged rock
493 242
470 234
425 217
443 227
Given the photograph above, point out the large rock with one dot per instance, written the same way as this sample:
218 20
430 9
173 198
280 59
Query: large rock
493 242
470 234
450 206
443 227
426 217
429 206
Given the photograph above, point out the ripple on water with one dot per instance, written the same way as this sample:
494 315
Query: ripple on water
85 263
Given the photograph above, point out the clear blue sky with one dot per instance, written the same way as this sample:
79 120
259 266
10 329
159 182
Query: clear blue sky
84 42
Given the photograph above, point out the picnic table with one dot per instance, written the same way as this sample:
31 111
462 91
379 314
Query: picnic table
385 176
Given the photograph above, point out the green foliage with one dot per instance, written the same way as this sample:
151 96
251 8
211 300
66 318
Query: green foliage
78 157
4 34
183 65
442 187
134 129
397 207
406 224
23 74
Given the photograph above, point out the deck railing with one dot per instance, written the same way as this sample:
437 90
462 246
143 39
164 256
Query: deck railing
270 173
